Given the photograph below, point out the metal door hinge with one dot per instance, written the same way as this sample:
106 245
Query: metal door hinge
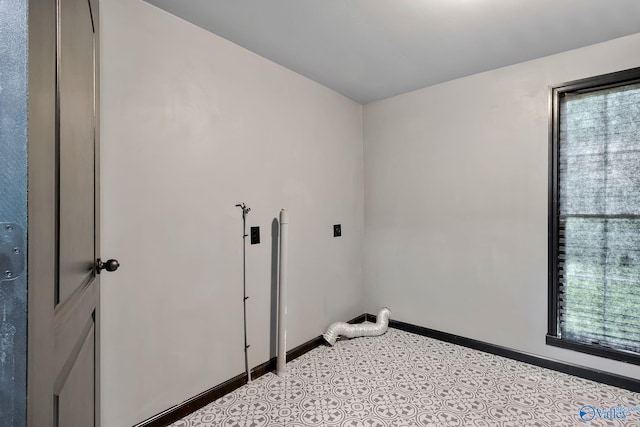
12 248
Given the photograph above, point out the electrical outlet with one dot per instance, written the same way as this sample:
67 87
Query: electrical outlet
255 235
337 230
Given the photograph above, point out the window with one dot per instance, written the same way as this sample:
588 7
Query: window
594 216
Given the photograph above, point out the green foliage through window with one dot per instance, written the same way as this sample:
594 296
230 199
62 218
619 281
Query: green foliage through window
597 216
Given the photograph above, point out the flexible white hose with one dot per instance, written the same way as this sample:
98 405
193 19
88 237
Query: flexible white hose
359 329
282 300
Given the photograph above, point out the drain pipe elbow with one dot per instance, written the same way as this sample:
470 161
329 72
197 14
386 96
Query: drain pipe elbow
358 330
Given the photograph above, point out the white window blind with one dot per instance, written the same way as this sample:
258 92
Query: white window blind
599 218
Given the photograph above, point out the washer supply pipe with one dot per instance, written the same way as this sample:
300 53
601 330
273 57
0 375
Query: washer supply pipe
359 329
245 212
282 294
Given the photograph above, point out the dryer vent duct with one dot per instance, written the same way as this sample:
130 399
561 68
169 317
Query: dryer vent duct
360 329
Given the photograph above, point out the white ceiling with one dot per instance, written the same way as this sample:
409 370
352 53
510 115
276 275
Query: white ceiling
373 49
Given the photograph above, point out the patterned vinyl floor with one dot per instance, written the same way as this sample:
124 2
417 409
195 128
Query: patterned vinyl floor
402 379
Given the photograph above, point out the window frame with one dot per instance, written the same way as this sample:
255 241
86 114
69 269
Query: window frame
591 84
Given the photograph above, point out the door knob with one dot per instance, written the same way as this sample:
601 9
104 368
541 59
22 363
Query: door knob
109 265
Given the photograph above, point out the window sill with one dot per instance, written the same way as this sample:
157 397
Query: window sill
595 350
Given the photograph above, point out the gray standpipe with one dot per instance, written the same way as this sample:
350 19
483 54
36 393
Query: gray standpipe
282 300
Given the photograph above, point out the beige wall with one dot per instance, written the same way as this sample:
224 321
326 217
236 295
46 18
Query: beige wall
456 201
192 125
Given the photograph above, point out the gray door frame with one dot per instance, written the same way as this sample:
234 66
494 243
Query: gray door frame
13 212
41 258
